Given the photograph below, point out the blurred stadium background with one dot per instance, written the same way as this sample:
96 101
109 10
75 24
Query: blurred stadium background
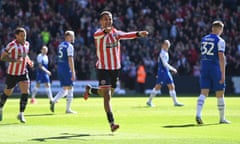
183 22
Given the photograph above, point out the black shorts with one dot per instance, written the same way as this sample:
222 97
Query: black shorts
108 77
12 81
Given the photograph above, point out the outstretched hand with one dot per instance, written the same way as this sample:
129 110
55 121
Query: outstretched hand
143 33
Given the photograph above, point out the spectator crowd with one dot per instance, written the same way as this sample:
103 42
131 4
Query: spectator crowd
183 22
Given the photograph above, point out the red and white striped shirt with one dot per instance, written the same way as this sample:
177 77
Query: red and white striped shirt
16 50
108 48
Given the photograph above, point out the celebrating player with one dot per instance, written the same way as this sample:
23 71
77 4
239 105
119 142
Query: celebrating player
107 42
164 76
66 71
16 54
42 74
212 70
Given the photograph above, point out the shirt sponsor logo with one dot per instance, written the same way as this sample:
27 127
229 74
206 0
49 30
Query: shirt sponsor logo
111 45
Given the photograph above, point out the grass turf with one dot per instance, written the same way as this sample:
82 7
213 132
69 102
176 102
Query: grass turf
139 124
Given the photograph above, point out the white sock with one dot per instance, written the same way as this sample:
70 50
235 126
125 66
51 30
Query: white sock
60 94
49 93
153 94
200 103
34 92
90 91
221 108
173 94
69 99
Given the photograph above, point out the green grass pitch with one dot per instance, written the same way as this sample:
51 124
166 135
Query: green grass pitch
162 124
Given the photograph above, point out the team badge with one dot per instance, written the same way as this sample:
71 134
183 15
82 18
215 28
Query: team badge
103 82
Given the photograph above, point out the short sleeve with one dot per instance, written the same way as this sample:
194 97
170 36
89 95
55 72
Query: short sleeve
9 48
221 45
70 50
27 46
163 56
39 59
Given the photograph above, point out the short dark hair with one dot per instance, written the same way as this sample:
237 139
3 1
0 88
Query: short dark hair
105 13
19 29
217 23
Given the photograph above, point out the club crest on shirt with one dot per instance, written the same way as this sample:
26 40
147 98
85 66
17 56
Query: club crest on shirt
103 82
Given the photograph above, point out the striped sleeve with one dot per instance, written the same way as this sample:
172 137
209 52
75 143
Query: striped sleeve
99 34
27 46
9 47
126 35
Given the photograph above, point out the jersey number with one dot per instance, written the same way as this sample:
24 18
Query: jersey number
207 48
60 52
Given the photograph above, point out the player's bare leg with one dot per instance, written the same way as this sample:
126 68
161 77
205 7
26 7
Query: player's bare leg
107 106
106 93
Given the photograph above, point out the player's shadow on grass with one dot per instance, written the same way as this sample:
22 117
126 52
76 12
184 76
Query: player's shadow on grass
68 136
35 115
9 124
188 125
